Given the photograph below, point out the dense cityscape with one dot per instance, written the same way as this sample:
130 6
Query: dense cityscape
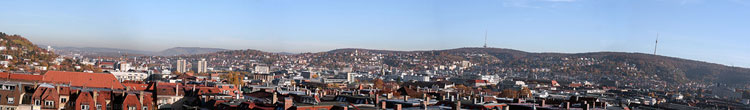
482 78
374 55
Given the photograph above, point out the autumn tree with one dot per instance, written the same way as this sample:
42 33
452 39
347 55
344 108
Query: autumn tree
233 78
525 92
378 83
509 93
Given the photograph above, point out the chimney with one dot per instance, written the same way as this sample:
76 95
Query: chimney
567 105
604 106
406 98
382 105
458 96
346 108
19 88
456 106
427 100
587 107
593 105
481 99
543 102
176 90
193 88
474 100
287 103
140 97
398 107
452 98
96 94
275 98
377 99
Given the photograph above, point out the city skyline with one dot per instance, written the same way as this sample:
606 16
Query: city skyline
691 29
375 55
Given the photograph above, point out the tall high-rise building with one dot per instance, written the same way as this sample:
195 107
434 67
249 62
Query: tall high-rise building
181 66
202 65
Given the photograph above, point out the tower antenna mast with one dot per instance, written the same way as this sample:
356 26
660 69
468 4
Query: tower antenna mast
485 38
656 43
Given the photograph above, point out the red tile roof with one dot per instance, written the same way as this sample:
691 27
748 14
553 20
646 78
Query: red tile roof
169 90
575 85
83 98
207 90
46 93
107 95
65 91
131 100
100 98
26 77
135 86
479 81
80 79
147 99
4 75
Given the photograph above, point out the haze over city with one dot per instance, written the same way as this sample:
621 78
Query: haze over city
713 31
375 55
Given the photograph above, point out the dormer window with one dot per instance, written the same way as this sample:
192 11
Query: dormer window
11 100
37 102
49 103
84 107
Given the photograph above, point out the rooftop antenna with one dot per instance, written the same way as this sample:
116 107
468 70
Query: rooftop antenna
656 43
485 37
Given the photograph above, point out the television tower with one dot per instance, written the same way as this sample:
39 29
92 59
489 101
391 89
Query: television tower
485 38
656 43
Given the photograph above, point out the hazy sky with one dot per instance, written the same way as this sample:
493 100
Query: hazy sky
707 30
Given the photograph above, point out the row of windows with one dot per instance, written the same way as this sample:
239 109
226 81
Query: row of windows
83 107
133 108
86 107
7 87
46 103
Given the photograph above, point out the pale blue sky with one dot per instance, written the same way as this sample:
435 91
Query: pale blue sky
706 30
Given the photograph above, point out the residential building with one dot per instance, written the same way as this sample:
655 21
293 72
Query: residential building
261 69
130 76
181 66
202 66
